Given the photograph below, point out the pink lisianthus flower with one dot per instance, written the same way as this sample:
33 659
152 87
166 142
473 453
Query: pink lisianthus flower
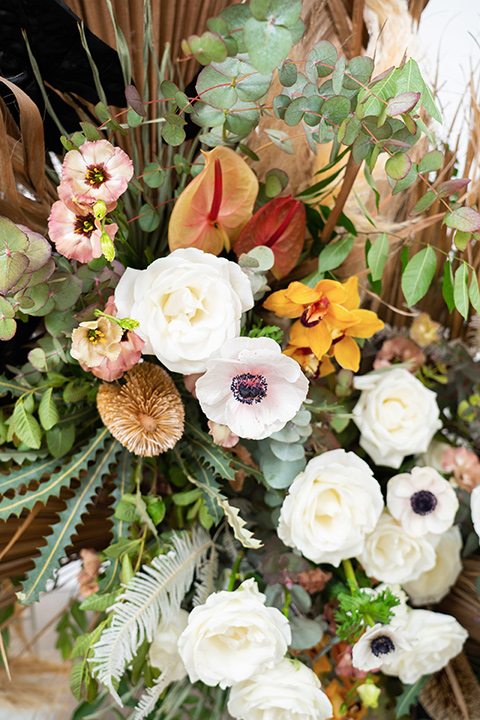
222 435
464 465
96 171
130 353
76 232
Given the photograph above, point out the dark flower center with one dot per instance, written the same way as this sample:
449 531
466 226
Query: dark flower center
314 313
84 224
248 388
382 645
423 502
96 175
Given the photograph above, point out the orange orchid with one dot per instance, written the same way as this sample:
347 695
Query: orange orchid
338 696
214 207
321 310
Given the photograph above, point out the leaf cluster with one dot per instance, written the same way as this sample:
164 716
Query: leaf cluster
358 610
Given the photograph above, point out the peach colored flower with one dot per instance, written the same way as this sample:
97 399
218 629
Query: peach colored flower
96 171
76 232
222 435
424 330
464 465
95 340
401 349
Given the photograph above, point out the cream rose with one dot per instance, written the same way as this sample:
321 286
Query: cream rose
434 584
164 648
439 638
233 636
396 415
288 691
188 304
392 556
331 506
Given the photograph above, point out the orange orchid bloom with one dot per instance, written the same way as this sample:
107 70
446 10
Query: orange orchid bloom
321 310
337 694
214 207
310 364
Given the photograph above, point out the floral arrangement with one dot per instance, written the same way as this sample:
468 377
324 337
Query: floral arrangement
290 478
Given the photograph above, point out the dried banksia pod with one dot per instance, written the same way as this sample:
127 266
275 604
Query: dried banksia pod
146 413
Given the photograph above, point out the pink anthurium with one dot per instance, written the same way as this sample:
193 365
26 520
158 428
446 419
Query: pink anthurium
216 205
280 225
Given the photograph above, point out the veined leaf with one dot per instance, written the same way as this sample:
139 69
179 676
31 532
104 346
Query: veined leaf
447 286
54 550
202 446
156 590
25 426
418 275
473 292
409 696
69 470
335 253
460 290
377 256
47 410
76 677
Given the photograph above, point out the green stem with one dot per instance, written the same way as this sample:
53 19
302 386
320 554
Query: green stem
286 604
233 576
350 575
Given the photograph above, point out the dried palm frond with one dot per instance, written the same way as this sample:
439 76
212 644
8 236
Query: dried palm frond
453 693
145 414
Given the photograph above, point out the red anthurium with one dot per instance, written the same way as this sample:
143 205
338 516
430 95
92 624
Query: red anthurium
212 210
280 225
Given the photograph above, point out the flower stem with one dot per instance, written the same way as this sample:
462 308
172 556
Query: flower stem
350 574
286 604
233 576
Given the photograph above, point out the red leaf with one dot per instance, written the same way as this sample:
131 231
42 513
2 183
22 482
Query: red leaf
449 187
280 225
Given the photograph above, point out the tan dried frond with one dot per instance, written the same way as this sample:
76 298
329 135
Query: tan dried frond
145 414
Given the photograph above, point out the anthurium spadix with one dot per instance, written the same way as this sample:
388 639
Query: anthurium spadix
212 210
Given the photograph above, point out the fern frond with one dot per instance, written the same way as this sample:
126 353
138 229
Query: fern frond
156 590
150 697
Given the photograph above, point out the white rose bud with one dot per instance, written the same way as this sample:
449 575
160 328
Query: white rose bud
331 506
233 636
396 415
288 691
187 304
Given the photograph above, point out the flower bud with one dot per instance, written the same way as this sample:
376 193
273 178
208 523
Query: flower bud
100 209
369 694
108 248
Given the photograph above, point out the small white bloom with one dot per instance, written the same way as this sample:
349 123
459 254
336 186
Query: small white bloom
434 455
233 636
377 645
475 508
164 648
393 556
434 584
422 501
396 415
288 691
188 304
331 506
251 387
439 639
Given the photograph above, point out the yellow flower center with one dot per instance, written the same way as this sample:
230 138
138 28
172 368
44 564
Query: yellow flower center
96 175
95 336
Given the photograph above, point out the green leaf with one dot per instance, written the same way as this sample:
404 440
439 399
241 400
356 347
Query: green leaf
202 446
295 111
8 325
402 103
26 427
267 44
70 518
465 219
377 256
153 175
338 74
47 410
321 61
66 290
335 253
313 110
473 292
336 109
452 186
280 104
359 68
209 47
288 73
462 239
56 481
364 209
398 166
173 134
424 203
431 162
60 439
148 219
97 602
76 678
460 290
305 633
13 262
447 286
409 696
418 275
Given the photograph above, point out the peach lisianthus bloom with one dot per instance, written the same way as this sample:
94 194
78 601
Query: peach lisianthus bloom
321 309
465 466
215 206
76 231
401 349
96 171
94 340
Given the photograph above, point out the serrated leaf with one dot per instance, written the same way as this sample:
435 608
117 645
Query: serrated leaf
26 427
203 447
70 518
47 410
335 253
54 484
377 256
460 290
418 275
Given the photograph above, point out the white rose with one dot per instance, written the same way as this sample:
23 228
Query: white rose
422 501
331 506
434 455
439 638
392 556
434 584
164 648
187 304
396 415
233 636
288 691
475 508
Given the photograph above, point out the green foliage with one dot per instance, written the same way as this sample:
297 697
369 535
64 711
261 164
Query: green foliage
409 696
360 608
418 275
